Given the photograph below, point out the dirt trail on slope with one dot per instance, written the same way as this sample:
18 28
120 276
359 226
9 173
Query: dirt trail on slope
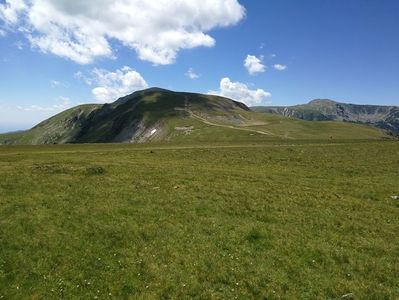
203 120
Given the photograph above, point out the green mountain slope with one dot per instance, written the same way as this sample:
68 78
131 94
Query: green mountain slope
384 117
61 128
158 115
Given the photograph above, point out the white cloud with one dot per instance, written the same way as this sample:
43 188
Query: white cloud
13 117
10 10
19 45
192 75
156 30
254 64
57 84
80 76
63 104
2 33
113 85
280 67
240 92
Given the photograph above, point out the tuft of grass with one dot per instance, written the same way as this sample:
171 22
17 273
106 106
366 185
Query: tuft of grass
254 236
97 170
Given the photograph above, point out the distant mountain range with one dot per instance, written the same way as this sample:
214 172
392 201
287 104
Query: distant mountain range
159 115
384 117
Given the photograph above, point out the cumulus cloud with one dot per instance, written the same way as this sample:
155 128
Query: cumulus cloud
254 65
192 75
113 85
156 30
279 67
10 10
241 92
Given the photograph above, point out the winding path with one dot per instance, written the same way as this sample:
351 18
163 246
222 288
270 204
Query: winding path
205 121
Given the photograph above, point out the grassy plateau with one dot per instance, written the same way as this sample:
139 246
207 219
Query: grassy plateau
285 219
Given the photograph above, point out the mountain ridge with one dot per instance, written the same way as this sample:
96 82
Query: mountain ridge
381 116
160 115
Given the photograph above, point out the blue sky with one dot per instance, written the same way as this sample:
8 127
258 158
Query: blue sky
346 50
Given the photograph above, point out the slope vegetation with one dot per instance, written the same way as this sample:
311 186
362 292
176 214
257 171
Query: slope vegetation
158 115
384 117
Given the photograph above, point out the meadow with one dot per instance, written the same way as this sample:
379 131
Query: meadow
255 220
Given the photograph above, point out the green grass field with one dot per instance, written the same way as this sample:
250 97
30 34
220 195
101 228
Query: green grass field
261 220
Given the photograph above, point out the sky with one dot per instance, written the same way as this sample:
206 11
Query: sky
55 54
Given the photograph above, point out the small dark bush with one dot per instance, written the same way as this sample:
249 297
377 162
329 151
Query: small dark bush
95 171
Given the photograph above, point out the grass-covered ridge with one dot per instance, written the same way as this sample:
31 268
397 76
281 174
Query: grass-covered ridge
380 116
157 115
275 220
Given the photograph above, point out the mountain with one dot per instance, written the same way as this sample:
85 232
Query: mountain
159 115
384 117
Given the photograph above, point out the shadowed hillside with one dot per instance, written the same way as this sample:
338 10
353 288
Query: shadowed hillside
159 115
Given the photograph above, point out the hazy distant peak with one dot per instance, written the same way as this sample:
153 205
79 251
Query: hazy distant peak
385 117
